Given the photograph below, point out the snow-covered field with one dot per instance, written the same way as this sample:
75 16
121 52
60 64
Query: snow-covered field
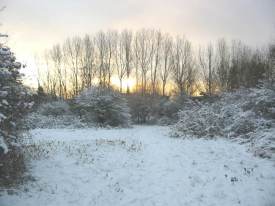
141 166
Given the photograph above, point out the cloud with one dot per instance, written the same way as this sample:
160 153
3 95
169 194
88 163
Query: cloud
201 20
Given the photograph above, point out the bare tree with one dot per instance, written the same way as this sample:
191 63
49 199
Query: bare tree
136 63
88 70
126 52
57 58
51 79
143 50
191 78
223 64
240 65
46 84
120 61
102 49
182 62
168 63
111 38
156 59
206 61
74 56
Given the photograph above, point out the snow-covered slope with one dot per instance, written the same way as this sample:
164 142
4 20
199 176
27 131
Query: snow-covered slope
140 166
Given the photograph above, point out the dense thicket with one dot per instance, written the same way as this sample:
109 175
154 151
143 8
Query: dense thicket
158 64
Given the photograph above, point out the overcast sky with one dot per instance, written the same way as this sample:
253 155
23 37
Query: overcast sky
34 25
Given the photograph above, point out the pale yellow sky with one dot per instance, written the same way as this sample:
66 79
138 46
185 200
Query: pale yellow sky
35 25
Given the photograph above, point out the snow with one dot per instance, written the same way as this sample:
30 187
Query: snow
4 51
3 93
2 117
4 101
140 166
3 145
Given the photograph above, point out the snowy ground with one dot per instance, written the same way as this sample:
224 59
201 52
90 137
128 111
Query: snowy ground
141 166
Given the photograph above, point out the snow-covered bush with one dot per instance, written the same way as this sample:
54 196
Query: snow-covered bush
103 106
246 115
143 108
36 120
55 108
171 107
56 114
207 123
153 109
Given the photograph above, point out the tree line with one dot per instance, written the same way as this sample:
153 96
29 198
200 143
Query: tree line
156 61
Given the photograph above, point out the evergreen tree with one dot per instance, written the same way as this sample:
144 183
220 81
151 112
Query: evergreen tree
14 98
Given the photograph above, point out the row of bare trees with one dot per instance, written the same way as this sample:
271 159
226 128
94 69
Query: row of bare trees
156 61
